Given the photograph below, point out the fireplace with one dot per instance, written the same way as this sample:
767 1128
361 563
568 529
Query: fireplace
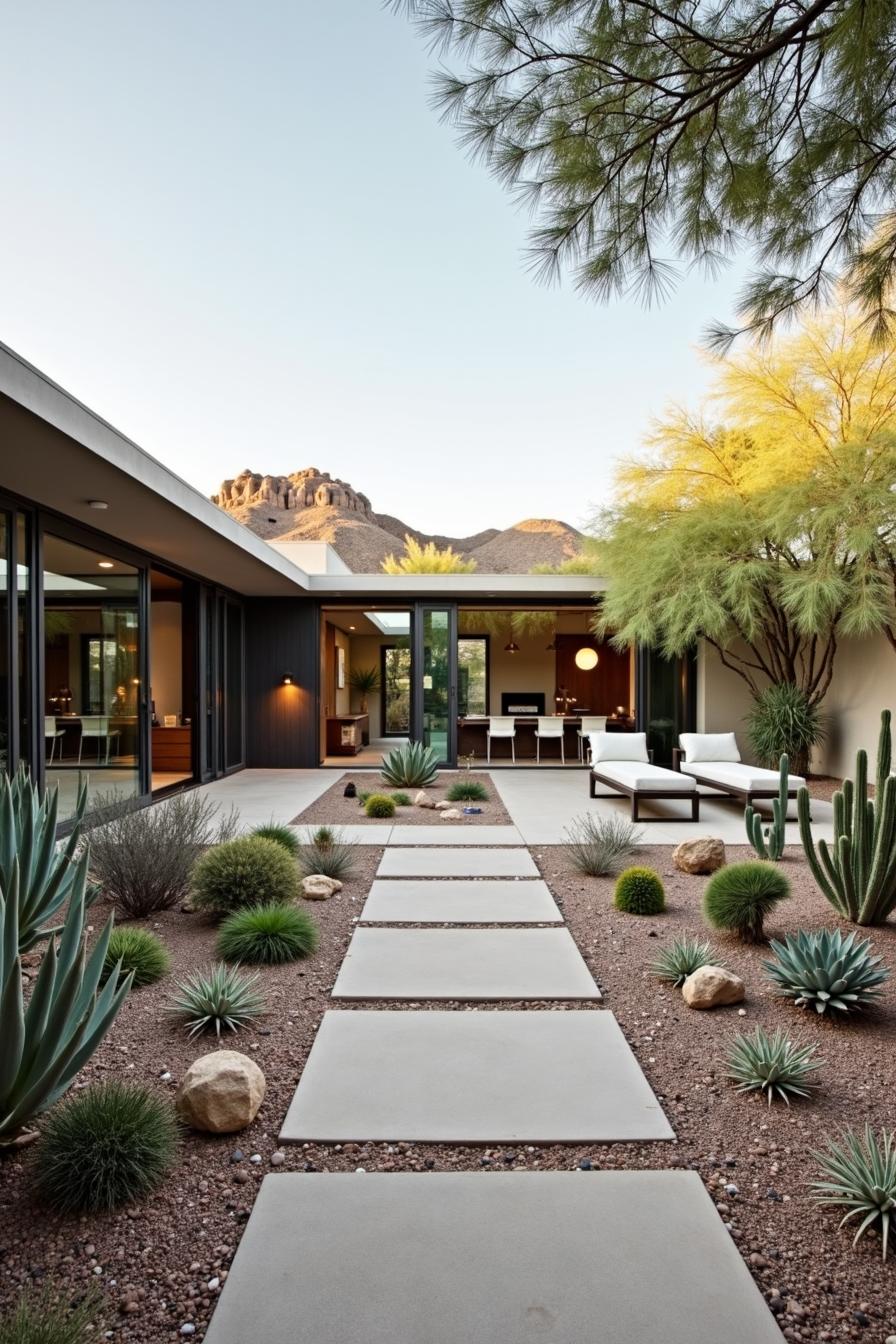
522 702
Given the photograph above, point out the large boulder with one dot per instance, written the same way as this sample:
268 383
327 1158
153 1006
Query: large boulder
700 856
221 1092
319 887
712 987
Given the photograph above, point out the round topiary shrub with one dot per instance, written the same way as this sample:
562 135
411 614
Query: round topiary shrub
267 935
739 897
247 871
281 835
139 951
109 1145
380 805
639 891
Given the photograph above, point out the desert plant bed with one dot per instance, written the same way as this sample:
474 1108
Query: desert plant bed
334 809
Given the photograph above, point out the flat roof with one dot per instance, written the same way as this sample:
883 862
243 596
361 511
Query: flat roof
463 587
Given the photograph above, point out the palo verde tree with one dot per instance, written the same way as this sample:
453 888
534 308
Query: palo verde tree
428 559
650 135
769 530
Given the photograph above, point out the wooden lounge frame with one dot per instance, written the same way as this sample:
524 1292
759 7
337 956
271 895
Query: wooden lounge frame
746 796
636 795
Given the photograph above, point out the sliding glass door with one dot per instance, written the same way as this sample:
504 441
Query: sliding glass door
435 632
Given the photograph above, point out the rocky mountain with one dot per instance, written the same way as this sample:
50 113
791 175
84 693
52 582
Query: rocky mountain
311 505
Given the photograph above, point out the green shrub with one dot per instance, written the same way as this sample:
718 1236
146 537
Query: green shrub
826 971
139 951
467 791
684 956
49 1317
410 766
401 799
327 853
597 845
379 805
639 891
771 1064
860 1176
782 722
143 857
739 897
247 871
267 935
281 835
107 1146
221 997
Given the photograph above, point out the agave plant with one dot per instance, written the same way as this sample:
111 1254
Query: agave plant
772 1064
220 997
410 766
826 970
43 1046
28 839
681 958
862 1178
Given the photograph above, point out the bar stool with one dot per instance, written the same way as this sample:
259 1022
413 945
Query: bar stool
500 726
595 723
53 734
549 728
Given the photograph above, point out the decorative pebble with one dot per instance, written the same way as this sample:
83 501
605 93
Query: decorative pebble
214 1283
277 1159
187 1328
237 1155
255 1158
585 1164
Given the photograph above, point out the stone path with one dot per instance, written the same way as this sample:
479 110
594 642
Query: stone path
610 1257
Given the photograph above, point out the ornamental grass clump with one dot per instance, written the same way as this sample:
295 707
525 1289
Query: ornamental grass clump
246 871
597 845
639 891
783 721
684 956
772 1064
110 1145
401 799
137 951
467 791
739 897
284 836
860 1176
221 998
410 766
379 805
827 971
267 935
50 1317
327 853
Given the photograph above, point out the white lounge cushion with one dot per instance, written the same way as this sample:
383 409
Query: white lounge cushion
709 747
736 775
618 747
641 778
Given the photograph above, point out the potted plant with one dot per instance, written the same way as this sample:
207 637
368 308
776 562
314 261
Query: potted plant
364 680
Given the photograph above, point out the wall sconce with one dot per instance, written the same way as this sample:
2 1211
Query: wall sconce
586 659
286 679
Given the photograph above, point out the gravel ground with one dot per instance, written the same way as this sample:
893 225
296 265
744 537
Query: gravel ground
156 1260
335 809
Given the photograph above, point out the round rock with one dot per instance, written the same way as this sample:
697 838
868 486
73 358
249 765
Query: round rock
319 887
700 856
221 1092
712 987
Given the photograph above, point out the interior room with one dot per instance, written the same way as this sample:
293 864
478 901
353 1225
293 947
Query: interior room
365 684
172 677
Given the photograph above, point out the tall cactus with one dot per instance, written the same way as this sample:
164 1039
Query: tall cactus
770 844
858 873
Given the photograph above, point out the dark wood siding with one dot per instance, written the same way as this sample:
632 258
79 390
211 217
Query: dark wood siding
282 636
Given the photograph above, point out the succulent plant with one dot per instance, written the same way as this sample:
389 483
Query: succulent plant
683 956
739 896
772 1064
826 970
861 1176
43 1046
47 877
221 998
639 891
379 805
769 843
410 766
857 873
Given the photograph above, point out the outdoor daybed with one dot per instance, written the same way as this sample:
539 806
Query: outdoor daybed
623 763
714 759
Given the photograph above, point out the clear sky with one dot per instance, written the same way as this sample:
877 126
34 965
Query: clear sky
237 230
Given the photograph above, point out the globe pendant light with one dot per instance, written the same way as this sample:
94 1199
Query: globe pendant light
586 659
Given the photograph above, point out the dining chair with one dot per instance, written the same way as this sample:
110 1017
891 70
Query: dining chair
593 723
500 726
97 726
552 728
52 734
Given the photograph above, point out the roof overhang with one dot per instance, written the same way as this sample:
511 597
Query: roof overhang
479 588
59 454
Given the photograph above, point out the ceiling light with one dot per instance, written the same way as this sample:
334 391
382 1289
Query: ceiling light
511 647
106 564
586 659
97 504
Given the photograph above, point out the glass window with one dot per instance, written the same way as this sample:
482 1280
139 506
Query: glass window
93 701
472 675
233 684
436 680
5 669
23 588
396 683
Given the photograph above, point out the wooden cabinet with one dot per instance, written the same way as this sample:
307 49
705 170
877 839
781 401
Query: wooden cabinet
347 733
172 750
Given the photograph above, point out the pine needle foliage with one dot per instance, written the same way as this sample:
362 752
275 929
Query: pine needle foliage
428 559
649 138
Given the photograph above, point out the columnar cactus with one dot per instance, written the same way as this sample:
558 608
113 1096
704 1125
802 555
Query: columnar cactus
769 844
857 873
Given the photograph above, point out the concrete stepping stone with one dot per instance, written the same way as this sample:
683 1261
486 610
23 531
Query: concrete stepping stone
455 833
457 863
454 901
487 1077
613 1257
463 964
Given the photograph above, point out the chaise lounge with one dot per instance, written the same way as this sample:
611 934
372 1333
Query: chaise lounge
713 759
622 762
